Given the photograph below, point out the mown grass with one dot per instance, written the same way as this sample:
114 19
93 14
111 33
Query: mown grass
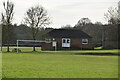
26 49
59 64
38 49
0 65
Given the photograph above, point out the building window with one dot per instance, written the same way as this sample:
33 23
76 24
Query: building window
65 42
48 40
84 41
68 40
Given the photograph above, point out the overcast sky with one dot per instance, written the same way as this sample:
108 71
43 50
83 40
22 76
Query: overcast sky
64 12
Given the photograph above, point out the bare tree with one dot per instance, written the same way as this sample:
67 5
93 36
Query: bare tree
112 15
6 18
36 17
82 22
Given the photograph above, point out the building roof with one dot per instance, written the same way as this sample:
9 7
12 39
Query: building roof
67 33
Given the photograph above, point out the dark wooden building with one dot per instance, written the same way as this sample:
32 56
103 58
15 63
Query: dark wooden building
67 39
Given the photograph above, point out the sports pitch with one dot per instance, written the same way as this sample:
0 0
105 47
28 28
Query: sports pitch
59 64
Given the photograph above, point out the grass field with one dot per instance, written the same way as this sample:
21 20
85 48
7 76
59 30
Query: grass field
26 49
38 49
60 64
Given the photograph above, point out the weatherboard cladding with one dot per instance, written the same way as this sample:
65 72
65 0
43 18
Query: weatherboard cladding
67 33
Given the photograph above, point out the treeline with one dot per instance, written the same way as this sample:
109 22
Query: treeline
100 33
103 35
20 32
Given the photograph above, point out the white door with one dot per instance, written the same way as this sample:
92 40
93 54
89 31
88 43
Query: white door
65 42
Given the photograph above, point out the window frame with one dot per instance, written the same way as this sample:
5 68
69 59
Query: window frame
66 40
86 41
47 40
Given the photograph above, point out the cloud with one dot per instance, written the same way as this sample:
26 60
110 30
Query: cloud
64 12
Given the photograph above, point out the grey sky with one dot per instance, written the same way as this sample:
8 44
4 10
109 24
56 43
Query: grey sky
64 12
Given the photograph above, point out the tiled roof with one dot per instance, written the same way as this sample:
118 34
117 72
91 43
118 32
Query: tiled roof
68 33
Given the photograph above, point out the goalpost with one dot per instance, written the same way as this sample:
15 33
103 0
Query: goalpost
33 41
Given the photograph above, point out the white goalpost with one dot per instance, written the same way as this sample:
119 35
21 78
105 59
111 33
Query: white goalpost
27 41
34 41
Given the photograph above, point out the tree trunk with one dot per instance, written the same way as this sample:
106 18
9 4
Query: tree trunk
8 50
1 48
8 38
34 46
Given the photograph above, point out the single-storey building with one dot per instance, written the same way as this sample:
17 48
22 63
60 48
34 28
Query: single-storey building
67 39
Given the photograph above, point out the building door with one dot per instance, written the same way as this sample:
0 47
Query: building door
65 42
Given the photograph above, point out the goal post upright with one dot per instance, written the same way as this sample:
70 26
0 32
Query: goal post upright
17 45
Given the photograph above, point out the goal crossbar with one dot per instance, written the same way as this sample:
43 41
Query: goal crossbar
27 41
31 41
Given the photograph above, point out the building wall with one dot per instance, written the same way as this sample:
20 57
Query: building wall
76 44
